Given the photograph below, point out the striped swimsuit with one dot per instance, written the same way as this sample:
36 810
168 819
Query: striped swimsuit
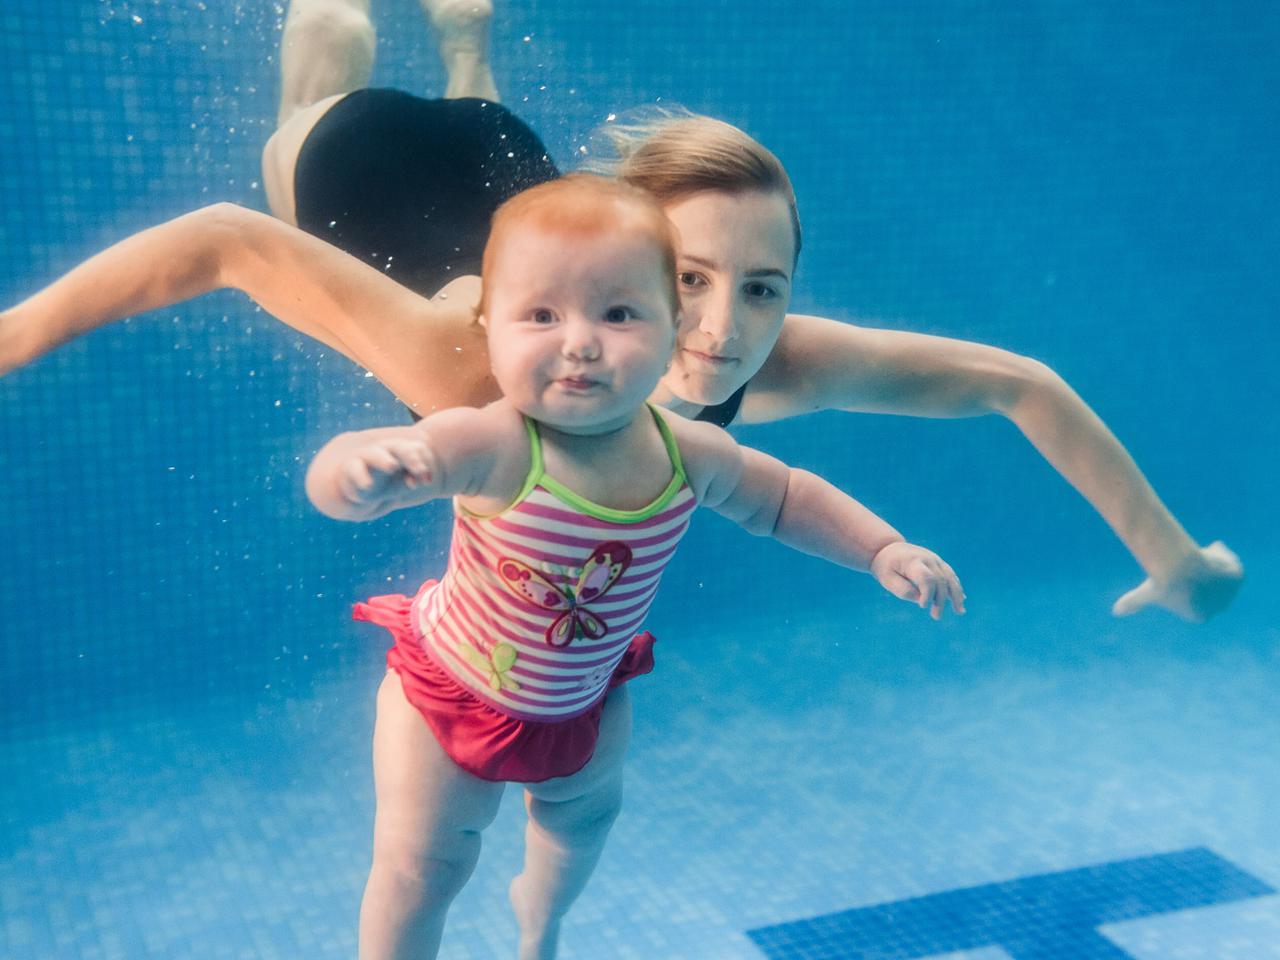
535 618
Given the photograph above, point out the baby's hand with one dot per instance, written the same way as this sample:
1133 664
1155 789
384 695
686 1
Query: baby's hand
1200 586
919 575
384 473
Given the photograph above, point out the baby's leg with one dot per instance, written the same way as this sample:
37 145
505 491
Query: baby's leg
463 30
426 836
569 821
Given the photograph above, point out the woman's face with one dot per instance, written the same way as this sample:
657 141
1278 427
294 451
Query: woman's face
737 253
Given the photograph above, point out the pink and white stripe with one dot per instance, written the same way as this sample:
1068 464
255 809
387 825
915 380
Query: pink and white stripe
471 605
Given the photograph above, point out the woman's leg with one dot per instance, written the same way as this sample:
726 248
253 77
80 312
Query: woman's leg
462 27
569 821
326 52
327 48
426 835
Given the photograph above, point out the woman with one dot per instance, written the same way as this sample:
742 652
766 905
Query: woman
406 185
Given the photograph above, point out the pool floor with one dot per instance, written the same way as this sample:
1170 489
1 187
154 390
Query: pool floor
1032 781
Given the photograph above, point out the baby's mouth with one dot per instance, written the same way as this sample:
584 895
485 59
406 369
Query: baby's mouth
578 382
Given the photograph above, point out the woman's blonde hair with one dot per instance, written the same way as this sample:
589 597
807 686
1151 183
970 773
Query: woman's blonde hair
672 153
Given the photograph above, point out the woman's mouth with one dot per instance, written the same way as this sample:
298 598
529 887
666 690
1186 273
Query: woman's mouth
710 359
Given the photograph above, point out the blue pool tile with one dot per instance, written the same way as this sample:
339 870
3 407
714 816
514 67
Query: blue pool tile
1052 916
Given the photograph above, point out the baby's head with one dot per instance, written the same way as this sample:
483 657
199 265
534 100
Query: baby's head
580 301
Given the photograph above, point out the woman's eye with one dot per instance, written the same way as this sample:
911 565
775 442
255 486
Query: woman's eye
760 291
688 279
618 314
542 316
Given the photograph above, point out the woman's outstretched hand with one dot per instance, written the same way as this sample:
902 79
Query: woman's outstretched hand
919 576
1198 588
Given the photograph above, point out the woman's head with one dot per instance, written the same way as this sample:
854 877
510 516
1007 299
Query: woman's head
673 154
579 301
735 211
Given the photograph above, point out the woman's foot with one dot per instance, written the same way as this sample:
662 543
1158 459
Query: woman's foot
463 30
538 937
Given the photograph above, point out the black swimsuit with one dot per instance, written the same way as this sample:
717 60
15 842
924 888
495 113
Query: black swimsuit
410 185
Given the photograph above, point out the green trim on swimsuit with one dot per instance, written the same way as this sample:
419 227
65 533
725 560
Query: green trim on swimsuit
537 475
601 512
530 479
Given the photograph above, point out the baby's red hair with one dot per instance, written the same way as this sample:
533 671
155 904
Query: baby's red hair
584 204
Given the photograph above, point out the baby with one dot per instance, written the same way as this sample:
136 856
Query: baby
570 495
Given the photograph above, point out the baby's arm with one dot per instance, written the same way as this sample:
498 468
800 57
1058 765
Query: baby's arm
798 508
366 474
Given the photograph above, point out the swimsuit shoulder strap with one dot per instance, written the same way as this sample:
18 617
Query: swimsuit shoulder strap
536 474
722 414
669 441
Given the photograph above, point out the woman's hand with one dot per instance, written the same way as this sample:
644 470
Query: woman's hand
1203 585
918 575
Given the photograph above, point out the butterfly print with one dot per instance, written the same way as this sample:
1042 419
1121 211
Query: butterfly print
604 566
496 664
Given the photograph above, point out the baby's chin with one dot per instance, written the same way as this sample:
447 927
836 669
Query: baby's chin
584 422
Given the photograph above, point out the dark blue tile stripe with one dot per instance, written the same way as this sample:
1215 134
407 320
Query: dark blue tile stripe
1032 918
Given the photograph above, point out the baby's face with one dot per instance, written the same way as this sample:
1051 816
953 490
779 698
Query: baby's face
580 326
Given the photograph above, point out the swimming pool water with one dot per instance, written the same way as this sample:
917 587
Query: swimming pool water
186 709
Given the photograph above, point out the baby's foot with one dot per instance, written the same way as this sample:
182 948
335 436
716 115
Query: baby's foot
538 937
463 30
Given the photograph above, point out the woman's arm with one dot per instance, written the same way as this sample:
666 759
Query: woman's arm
795 507
822 364
429 353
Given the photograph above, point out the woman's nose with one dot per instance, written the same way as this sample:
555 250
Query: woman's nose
718 320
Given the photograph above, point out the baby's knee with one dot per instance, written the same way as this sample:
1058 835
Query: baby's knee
427 875
583 818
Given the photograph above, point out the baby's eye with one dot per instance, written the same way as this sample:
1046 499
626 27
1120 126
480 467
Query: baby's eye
760 291
542 316
618 314
688 278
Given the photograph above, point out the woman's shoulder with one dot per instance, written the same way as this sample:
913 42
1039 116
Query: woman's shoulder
792 379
